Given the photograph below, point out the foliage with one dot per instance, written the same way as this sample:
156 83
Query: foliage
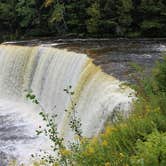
124 15
61 152
153 16
94 21
26 12
139 139
151 152
99 18
57 14
75 122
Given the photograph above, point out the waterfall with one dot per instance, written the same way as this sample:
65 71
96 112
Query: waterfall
47 71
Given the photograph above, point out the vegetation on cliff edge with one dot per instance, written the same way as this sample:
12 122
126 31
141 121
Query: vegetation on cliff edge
138 140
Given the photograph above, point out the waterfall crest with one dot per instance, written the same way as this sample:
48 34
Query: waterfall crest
47 71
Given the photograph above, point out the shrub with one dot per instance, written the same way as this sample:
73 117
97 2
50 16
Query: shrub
151 152
138 140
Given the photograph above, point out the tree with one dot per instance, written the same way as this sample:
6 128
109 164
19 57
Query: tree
8 15
76 16
108 13
109 18
124 19
93 22
56 15
153 17
26 13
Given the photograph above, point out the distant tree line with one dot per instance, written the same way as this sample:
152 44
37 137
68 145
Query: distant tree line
82 18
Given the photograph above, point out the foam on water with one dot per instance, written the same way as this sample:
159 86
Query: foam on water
47 71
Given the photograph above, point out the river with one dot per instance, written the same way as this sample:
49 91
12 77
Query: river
94 69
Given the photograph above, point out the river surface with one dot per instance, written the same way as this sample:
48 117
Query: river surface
115 56
46 67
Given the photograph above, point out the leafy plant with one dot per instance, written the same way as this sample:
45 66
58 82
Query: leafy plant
151 152
61 152
138 140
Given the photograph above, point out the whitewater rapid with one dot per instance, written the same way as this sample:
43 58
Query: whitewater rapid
47 71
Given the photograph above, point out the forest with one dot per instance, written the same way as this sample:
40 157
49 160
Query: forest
82 18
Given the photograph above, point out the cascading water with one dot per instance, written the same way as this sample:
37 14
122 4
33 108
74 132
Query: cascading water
47 71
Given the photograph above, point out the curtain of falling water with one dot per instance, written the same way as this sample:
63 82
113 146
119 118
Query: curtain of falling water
47 71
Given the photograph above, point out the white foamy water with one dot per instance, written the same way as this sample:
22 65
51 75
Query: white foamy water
18 139
47 71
